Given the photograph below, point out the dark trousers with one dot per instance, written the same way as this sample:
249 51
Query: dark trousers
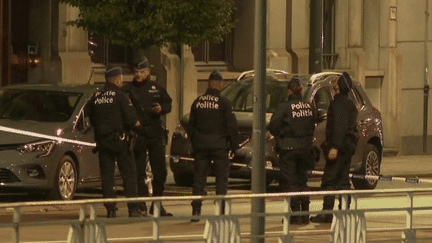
126 165
336 177
294 165
156 153
202 165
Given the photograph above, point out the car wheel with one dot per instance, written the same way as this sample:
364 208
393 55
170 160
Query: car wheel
65 181
371 166
183 179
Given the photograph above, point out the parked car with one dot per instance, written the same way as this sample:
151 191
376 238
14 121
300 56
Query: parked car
31 158
317 88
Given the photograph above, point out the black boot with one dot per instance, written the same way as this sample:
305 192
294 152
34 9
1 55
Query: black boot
196 210
296 219
163 212
111 213
305 208
143 209
322 218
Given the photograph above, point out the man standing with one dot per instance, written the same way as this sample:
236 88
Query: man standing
341 142
112 115
151 102
293 125
213 132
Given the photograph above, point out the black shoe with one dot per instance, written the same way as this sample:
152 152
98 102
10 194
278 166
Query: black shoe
162 213
111 213
322 218
196 212
296 219
305 219
143 209
135 214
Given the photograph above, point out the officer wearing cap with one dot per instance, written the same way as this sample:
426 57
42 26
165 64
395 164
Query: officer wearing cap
112 115
151 102
340 144
213 132
293 126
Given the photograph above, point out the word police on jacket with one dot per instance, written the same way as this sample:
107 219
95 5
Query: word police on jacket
208 102
301 109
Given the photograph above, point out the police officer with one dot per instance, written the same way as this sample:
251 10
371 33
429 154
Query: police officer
112 115
213 132
293 126
340 144
151 102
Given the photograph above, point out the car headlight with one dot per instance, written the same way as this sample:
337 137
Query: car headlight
180 130
43 147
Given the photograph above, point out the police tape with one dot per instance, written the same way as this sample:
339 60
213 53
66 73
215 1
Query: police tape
413 181
40 135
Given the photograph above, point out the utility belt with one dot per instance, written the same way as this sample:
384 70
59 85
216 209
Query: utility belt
116 141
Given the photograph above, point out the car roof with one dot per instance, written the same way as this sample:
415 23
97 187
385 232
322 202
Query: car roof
283 76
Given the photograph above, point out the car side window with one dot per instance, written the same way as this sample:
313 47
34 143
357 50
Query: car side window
356 98
322 99
82 122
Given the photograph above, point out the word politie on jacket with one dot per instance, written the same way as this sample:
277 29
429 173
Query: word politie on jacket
301 109
208 102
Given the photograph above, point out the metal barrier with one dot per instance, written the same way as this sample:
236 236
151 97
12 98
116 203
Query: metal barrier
349 225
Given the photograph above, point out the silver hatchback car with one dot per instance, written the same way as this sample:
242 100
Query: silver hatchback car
45 140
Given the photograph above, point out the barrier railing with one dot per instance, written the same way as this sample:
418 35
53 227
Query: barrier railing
349 224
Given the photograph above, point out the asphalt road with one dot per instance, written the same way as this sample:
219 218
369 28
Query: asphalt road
411 166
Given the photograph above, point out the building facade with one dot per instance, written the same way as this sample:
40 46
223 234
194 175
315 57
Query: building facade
380 43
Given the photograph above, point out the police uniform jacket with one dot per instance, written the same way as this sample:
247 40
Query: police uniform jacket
110 112
212 123
293 123
144 95
341 131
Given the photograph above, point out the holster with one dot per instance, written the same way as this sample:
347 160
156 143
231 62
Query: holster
131 138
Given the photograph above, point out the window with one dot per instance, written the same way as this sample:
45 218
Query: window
102 51
213 54
322 98
356 98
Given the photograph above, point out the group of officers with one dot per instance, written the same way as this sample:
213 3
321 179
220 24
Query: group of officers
128 127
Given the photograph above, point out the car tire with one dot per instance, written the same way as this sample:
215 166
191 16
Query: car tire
65 180
183 179
371 166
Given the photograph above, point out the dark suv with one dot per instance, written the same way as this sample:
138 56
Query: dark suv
317 88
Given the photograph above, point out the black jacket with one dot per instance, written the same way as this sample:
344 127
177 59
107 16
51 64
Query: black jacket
110 111
212 123
143 96
341 131
293 123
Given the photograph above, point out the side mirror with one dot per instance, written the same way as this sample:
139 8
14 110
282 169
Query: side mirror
322 115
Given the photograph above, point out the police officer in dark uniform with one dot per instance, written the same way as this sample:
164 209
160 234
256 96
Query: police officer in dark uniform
340 144
112 115
293 126
213 132
151 102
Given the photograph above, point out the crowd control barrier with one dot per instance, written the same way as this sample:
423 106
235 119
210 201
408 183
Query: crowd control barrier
350 225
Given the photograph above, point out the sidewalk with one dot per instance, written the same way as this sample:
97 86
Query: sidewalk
407 166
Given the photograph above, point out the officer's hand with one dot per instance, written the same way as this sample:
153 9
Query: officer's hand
231 154
137 124
332 154
157 108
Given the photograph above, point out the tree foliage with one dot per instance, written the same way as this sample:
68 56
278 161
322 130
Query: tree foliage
142 23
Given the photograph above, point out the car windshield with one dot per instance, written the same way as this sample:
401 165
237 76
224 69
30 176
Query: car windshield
240 94
37 105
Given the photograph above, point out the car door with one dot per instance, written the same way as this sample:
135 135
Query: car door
321 98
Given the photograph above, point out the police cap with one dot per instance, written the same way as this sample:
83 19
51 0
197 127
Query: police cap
216 75
113 71
140 62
